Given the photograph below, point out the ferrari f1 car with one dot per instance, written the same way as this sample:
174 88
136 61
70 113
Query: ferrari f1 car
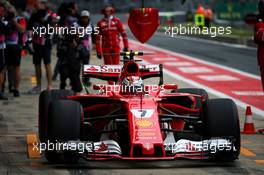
127 119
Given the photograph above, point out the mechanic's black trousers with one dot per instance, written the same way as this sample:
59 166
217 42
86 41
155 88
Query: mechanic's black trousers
73 73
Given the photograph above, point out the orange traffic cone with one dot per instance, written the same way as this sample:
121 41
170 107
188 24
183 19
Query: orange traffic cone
249 125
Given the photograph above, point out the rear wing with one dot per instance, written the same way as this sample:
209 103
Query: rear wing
112 72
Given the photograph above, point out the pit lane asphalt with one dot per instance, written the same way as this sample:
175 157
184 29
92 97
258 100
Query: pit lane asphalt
19 117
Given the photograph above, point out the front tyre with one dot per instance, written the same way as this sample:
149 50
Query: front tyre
45 98
64 125
221 120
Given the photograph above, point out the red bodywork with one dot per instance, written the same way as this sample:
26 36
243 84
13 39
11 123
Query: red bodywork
141 110
108 42
259 39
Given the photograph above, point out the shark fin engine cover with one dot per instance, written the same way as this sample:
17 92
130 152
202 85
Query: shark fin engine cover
143 23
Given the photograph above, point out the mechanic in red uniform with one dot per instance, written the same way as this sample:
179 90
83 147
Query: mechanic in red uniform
259 38
108 41
208 16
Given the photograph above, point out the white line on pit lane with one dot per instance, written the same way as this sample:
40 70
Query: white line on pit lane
165 59
178 64
248 93
192 70
223 78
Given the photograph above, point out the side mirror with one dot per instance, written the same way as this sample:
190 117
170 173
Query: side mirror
250 19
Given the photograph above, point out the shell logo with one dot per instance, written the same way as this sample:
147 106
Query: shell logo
144 123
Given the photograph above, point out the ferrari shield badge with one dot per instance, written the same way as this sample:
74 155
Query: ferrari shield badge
143 22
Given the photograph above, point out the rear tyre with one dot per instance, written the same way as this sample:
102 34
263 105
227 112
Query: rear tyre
64 125
221 120
45 98
194 91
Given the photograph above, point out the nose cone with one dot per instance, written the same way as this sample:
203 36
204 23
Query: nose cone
148 149
145 132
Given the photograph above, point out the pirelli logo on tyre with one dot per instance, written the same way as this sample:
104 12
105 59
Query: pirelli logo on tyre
144 123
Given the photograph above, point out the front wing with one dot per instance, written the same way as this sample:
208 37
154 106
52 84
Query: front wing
110 149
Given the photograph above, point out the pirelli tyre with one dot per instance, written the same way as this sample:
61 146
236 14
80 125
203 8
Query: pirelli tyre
45 98
64 125
221 120
195 91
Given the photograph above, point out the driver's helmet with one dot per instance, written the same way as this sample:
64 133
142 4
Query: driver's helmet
132 84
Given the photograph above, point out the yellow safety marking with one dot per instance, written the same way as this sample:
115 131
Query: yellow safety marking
259 161
32 150
246 152
33 80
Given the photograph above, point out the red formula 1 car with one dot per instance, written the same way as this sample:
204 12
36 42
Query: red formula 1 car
135 121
